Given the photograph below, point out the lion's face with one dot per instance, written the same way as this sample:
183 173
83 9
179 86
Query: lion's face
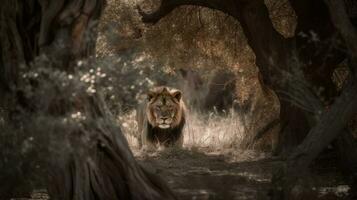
164 107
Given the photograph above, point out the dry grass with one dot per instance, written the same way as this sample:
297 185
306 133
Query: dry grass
129 126
212 131
209 132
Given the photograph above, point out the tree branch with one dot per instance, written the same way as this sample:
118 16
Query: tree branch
327 129
50 11
348 32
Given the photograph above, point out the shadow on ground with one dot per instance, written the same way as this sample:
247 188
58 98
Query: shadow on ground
196 175
239 175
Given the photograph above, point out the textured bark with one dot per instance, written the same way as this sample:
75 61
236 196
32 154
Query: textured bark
314 18
327 129
329 126
86 160
347 30
292 175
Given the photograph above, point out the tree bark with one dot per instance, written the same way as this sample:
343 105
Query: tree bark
330 126
327 129
87 159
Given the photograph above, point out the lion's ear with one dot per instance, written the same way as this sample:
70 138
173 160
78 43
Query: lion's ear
150 95
177 95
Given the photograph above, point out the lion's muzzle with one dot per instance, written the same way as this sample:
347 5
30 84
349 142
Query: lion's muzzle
164 122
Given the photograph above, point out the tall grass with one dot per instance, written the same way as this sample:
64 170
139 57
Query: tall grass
213 131
206 131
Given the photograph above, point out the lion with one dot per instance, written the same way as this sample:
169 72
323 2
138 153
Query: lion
161 118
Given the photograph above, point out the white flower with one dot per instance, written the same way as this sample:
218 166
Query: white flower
125 124
85 78
91 90
80 63
78 116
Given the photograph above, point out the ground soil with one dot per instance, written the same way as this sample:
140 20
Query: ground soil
201 175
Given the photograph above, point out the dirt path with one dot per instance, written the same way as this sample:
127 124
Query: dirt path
195 175
244 176
230 175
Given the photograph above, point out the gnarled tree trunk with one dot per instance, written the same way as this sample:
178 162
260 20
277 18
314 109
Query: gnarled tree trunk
75 159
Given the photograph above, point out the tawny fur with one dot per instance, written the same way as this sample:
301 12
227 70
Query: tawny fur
149 131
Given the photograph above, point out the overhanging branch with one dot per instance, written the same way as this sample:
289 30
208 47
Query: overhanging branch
341 21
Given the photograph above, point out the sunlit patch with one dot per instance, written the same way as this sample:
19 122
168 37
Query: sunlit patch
213 132
197 194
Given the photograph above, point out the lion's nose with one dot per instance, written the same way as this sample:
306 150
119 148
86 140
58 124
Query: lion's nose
164 118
